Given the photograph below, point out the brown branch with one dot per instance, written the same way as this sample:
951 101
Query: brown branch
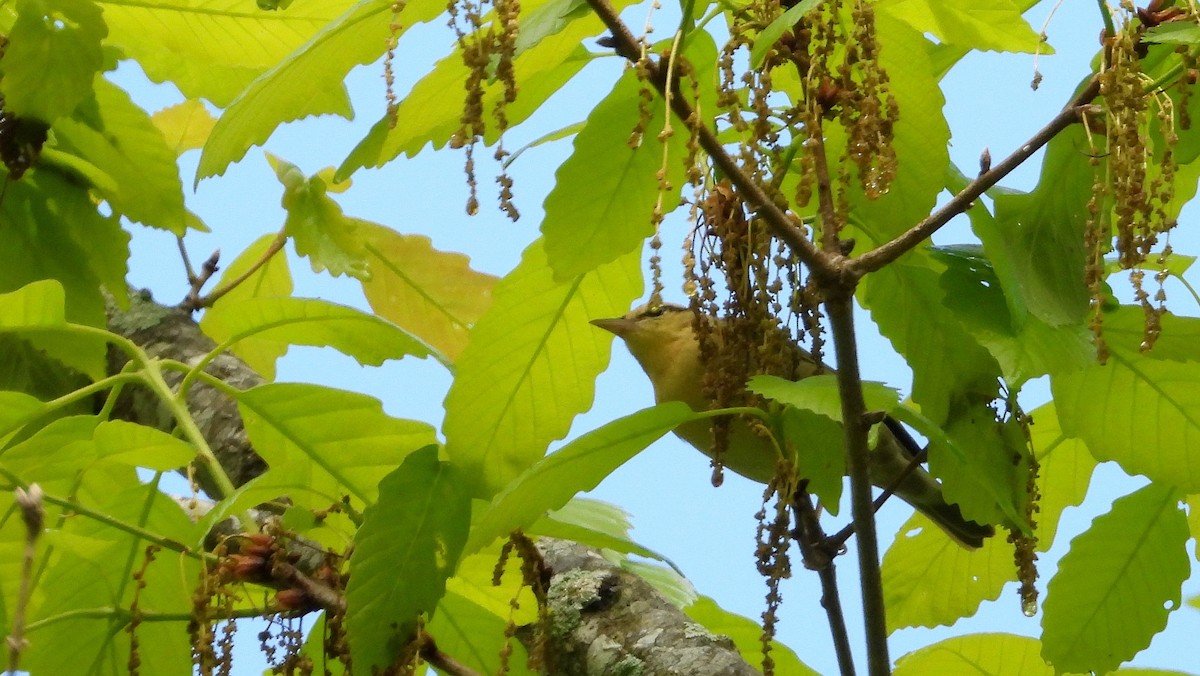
839 307
781 225
819 555
885 253
194 302
444 663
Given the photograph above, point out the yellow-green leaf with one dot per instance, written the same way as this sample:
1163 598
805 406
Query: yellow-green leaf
141 446
746 635
316 224
991 654
1064 474
1118 582
37 305
185 126
993 25
434 295
530 365
929 580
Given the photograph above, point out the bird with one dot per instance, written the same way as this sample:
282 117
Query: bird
662 338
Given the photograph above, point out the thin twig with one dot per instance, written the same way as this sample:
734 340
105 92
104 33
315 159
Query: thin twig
880 256
207 301
33 514
197 281
829 221
782 226
839 538
444 663
819 556
839 307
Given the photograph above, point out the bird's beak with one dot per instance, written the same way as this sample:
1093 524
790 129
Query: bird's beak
617 325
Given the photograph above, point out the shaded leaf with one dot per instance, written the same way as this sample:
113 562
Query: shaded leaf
52 56
530 366
434 295
119 139
1118 582
408 546
579 466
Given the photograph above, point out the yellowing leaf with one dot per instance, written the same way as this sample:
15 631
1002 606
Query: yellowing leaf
52 56
185 125
530 365
308 321
1117 584
991 654
929 580
432 294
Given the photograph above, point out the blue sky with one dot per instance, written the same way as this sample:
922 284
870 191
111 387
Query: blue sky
707 532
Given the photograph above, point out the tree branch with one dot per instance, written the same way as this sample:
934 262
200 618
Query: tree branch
819 556
781 225
884 254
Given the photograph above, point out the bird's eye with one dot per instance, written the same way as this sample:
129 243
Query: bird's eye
654 311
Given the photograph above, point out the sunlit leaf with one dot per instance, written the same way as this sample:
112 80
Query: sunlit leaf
819 394
316 224
1140 408
593 523
272 279
929 580
52 56
408 545
578 466
475 636
322 443
530 366
434 295
1118 582
473 582
991 654
270 322
604 197
1064 472
34 306
309 81
141 446
994 25
185 126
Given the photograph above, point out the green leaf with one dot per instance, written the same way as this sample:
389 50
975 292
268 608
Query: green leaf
272 279
530 366
16 408
1140 409
987 478
991 654
579 466
431 113
771 34
475 635
906 301
316 224
141 446
408 546
604 197
121 140
746 635
1051 218
269 322
1117 584
668 582
55 454
1174 33
322 443
37 305
185 126
818 444
929 580
310 80
819 394
991 25
1064 474
595 524
434 295
53 54
213 49
473 579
